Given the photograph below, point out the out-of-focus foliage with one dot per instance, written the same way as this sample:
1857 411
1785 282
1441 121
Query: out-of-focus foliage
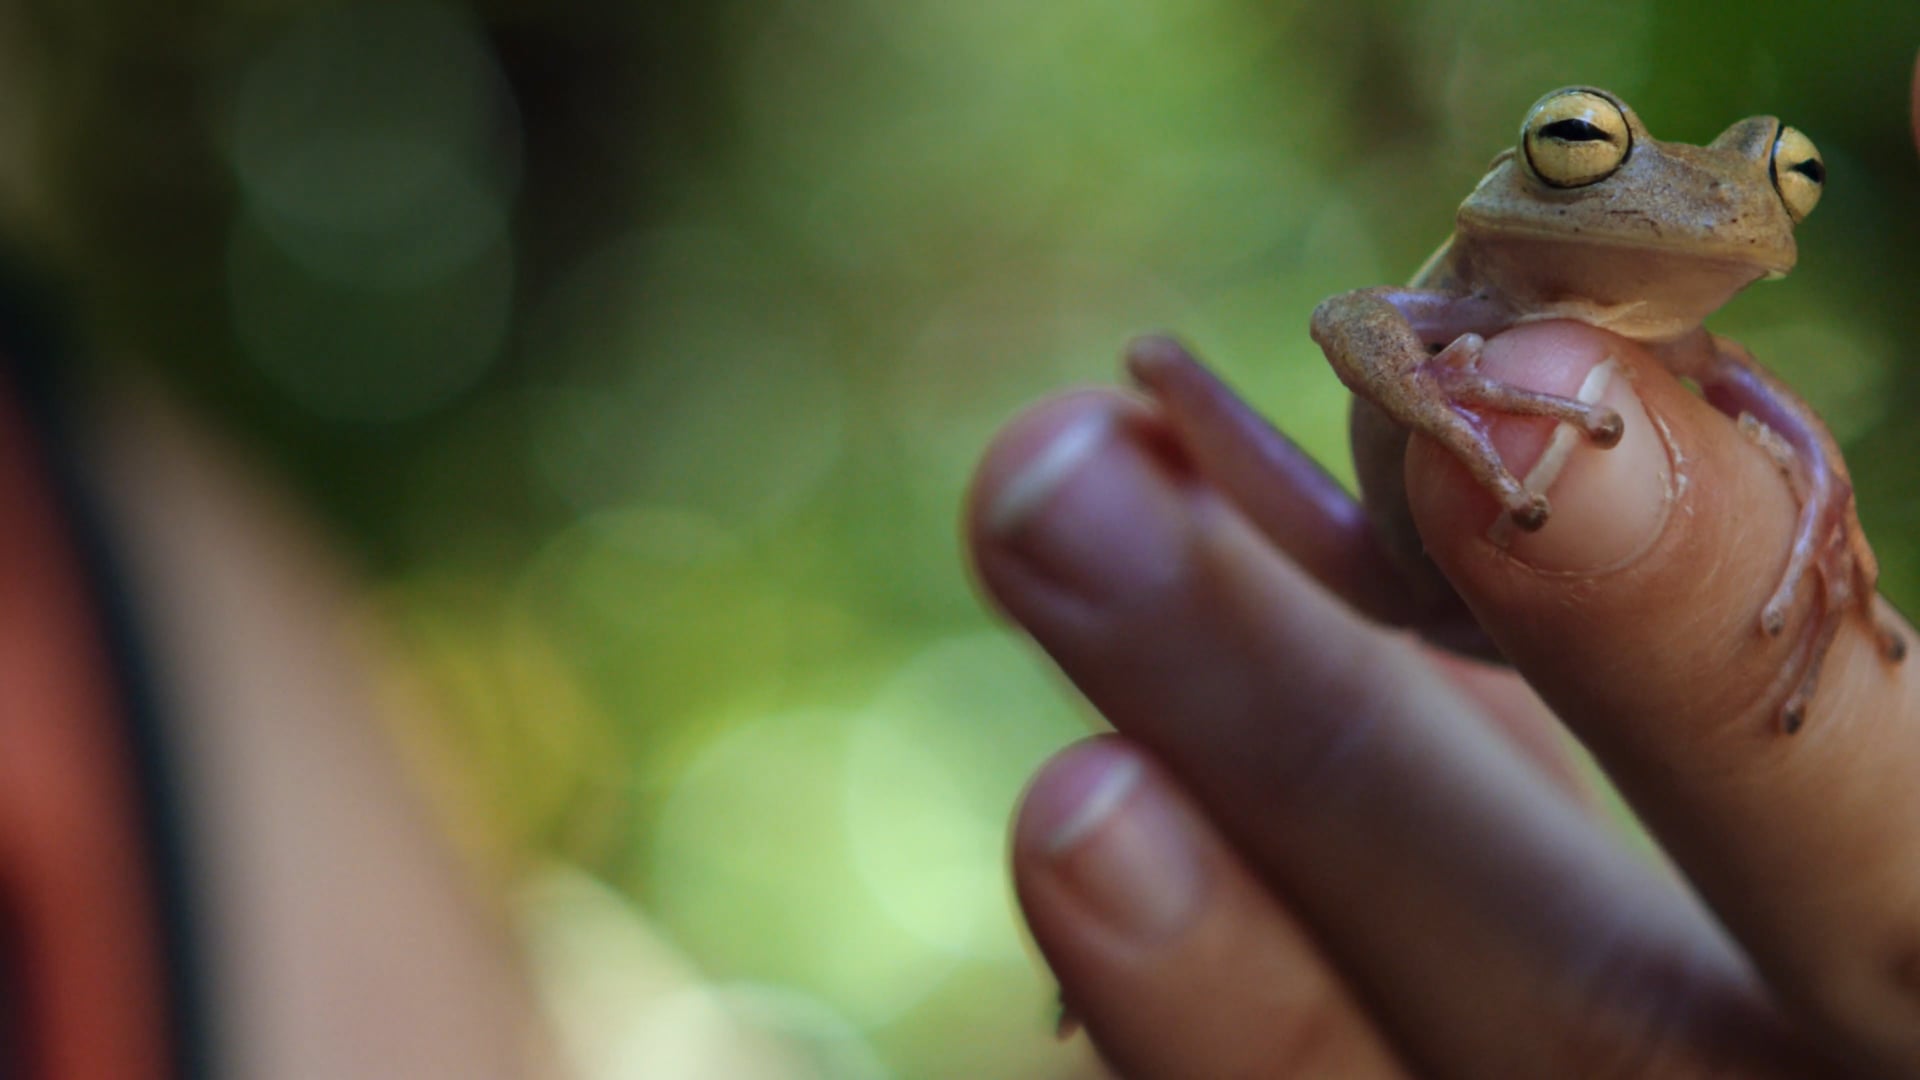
644 350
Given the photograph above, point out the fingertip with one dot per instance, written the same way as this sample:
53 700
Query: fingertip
1596 498
1658 556
1074 794
1151 356
1098 834
1024 438
1035 473
1036 454
1078 509
1175 957
1644 599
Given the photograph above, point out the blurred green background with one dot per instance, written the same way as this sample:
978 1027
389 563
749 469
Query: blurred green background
640 353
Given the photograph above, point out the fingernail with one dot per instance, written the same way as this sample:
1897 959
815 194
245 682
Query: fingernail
1089 508
1114 837
1609 504
1028 491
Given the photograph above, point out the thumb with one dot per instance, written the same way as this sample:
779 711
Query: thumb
1636 613
1646 584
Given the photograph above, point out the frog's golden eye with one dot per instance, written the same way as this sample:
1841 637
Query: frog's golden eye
1798 173
1575 137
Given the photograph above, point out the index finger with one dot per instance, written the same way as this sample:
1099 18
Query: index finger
1648 645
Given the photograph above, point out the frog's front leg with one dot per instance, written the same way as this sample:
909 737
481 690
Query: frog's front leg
1382 342
1827 535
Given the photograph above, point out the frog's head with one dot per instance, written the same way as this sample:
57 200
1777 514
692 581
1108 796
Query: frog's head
1590 197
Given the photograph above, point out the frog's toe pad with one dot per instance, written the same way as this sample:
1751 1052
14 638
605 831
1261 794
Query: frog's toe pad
1773 620
1893 644
1531 513
1606 429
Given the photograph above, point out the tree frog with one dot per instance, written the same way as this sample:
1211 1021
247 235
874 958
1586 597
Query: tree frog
1591 218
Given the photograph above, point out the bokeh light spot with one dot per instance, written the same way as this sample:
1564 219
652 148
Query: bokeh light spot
649 408
349 352
377 143
751 871
376 152
667 616
933 773
625 1004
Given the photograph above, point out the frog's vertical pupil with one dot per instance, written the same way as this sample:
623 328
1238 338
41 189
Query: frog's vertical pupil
1812 169
1574 129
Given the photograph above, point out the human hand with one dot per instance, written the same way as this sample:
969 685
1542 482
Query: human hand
1318 847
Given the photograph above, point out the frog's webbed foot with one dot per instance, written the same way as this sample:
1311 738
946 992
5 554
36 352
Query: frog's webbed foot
1378 343
1828 542
1837 573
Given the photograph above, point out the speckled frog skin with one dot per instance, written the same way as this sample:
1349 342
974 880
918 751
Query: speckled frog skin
1591 218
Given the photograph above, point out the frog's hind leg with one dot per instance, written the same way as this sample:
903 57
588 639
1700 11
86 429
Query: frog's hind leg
1828 542
1847 585
1835 600
1886 630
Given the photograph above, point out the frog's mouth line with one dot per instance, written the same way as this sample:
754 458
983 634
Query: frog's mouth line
1692 247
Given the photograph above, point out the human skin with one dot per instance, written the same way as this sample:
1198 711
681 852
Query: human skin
340 933
1315 846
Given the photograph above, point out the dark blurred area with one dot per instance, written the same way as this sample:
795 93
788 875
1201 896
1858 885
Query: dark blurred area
640 353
